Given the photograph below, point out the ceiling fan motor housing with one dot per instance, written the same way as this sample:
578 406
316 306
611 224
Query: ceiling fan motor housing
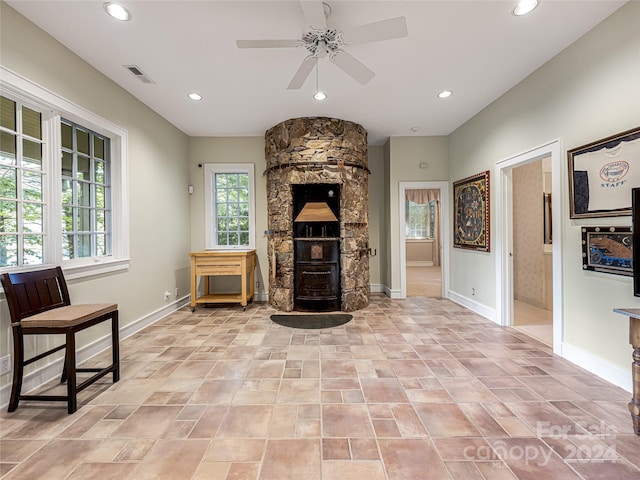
321 43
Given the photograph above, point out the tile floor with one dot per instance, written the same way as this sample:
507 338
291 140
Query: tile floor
409 389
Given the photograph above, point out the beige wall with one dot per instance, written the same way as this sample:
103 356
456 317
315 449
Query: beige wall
405 156
377 219
587 92
528 234
419 252
158 177
251 150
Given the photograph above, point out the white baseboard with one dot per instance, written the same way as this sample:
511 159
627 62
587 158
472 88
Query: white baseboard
419 263
487 312
611 373
261 297
395 294
53 369
377 288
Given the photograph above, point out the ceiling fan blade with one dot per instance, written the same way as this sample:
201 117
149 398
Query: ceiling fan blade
303 72
374 32
267 43
352 67
314 14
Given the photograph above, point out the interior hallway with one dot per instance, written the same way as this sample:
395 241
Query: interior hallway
534 321
424 282
415 388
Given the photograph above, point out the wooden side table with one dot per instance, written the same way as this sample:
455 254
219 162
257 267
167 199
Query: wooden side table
634 340
223 262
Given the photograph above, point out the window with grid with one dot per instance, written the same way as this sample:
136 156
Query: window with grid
230 206
420 219
63 189
86 195
22 180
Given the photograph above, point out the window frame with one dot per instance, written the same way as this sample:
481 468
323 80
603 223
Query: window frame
429 223
211 237
55 107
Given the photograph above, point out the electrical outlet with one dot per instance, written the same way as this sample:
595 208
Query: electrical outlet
473 292
167 294
257 283
5 364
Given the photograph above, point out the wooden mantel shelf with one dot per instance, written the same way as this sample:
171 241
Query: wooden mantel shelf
223 262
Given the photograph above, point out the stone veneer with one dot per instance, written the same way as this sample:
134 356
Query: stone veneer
318 150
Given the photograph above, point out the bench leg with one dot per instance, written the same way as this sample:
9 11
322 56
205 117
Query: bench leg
70 368
115 347
18 369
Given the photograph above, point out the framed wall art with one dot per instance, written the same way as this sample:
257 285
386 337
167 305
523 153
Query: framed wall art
601 175
608 250
471 213
635 227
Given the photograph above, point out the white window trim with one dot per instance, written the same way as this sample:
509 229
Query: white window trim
210 170
16 85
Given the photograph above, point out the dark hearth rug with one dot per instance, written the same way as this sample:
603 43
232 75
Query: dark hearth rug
312 321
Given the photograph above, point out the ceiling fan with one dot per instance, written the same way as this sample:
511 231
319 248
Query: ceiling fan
322 41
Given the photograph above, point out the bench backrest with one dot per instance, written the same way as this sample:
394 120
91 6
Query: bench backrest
30 293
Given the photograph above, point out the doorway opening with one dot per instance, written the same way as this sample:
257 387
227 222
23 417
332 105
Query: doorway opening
423 222
528 244
532 249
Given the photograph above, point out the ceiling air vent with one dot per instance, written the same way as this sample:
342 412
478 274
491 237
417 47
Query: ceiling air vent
139 73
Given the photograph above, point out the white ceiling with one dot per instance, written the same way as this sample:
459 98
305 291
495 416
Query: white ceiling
476 48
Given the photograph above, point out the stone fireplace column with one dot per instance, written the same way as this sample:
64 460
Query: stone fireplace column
318 150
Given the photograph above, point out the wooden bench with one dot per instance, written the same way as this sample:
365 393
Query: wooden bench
39 304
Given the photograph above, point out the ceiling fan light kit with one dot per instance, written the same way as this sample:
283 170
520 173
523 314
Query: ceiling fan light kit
321 41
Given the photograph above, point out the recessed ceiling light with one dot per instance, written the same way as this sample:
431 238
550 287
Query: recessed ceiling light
524 7
195 96
320 95
117 11
445 94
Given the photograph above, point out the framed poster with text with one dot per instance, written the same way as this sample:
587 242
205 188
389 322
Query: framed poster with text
602 174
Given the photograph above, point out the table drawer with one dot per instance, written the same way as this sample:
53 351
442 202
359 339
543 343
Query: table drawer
219 269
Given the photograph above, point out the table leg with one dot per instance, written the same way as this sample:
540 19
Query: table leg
194 283
634 404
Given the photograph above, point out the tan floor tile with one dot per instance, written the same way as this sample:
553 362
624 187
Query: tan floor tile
346 420
147 421
303 390
334 470
57 459
364 449
381 390
212 470
135 450
15 451
411 458
335 449
246 421
235 450
445 420
172 459
292 460
102 470
215 391
229 395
